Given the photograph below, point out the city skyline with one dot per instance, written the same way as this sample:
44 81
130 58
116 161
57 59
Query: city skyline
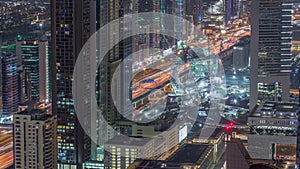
117 84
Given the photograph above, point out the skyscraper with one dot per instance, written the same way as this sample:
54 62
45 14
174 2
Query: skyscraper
230 8
114 58
1 72
9 84
27 51
44 70
192 9
270 50
71 28
33 62
35 140
167 7
180 13
298 136
241 55
152 39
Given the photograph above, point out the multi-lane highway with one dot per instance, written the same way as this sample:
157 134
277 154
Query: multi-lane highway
147 81
6 149
158 81
163 66
160 77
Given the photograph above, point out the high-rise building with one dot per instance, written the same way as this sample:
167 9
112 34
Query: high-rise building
180 13
270 52
44 70
230 9
1 75
298 136
71 28
167 7
33 64
35 140
27 51
9 84
241 55
151 40
91 15
243 8
192 9
113 59
5 48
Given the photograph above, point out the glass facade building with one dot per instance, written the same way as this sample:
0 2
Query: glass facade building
70 30
271 55
28 52
9 84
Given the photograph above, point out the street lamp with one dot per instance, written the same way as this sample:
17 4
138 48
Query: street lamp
41 26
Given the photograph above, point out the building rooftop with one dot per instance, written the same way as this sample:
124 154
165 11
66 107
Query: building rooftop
121 140
217 133
271 109
189 153
36 114
192 154
146 164
30 104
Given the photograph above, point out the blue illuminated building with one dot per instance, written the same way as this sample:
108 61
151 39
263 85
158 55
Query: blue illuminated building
200 14
9 84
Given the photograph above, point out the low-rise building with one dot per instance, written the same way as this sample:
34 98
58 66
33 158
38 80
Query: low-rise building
273 126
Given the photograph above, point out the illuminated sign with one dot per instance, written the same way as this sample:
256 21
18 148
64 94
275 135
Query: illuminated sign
182 133
180 44
285 151
148 81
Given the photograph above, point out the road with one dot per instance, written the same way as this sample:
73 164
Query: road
164 64
6 149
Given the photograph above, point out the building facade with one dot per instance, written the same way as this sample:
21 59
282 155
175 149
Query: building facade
271 55
10 90
121 152
241 55
273 125
44 70
27 51
71 28
35 144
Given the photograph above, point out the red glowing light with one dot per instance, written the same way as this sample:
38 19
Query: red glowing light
231 124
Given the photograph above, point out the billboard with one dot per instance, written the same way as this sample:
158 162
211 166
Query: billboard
285 151
182 133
